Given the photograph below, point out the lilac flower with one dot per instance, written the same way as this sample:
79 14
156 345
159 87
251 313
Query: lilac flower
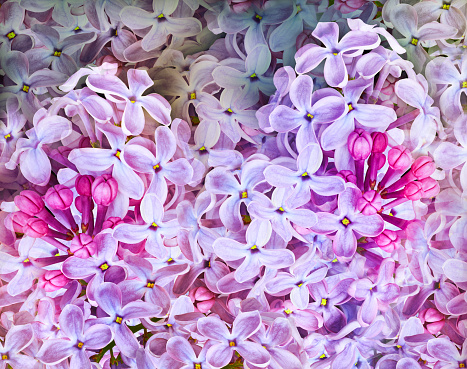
61 12
133 115
309 112
253 76
56 53
75 340
254 19
303 273
244 326
30 154
376 294
16 340
425 125
448 13
327 296
405 20
281 215
274 340
359 116
161 23
221 181
154 227
348 222
303 179
154 159
442 71
100 160
13 35
253 253
179 350
10 129
16 66
109 299
335 71
447 353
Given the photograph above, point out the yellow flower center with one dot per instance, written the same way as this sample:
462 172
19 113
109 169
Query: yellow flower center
310 116
118 320
334 260
198 366
446 7
305 174
253 75
299 8
76 28
399 346
300 284
464 84
461 365
157 166
169 260
324 302
259 17
7 136
132 101
281 209
193 96
334 54
104 267
57 53
244 194
232 344
254 247
160 16
323 356
25 88
4 357
11 35
345 221
169 325
117 154
150 285
80 344
26 260
350 107
202 148
229 110
154 224
288 311
414 41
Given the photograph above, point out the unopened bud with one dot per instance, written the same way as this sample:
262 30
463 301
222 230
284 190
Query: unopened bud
380 142
59 197
83 185
413 190
36 228
423 167
369 203
360 144
29 202
399 158
104 190
83 246
53 280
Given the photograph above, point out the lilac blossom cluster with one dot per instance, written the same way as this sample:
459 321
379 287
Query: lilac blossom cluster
206 184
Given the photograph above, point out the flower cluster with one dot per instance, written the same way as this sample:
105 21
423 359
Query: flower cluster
221 184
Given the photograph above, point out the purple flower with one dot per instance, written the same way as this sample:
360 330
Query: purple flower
310 111
133 116
61 12
13 34
109 299
10 129
155 160
154 227
347 222
303 179
447 353
30 154
16 340
161 23
253 253
335 71
376 295
179 352
244 326
75 340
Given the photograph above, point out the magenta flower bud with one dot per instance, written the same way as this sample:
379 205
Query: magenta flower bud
104 190
36 228
423 167
348 176
360 144
399 158
79 203
202 298
17 221
83 246
59 197
388 240
29 202
369 203
432 320
53 280
380 142
430 187
83 185
413 191
112 222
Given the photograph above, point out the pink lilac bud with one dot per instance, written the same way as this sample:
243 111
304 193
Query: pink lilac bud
112 222
430 187
413 191
202 298
360 144
83 246
348 176
59 197
380 142
399 158
17 221
36 228
388 240
370 203
79 203
432 319
423 167
104 190
83 185
29 202
53 280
